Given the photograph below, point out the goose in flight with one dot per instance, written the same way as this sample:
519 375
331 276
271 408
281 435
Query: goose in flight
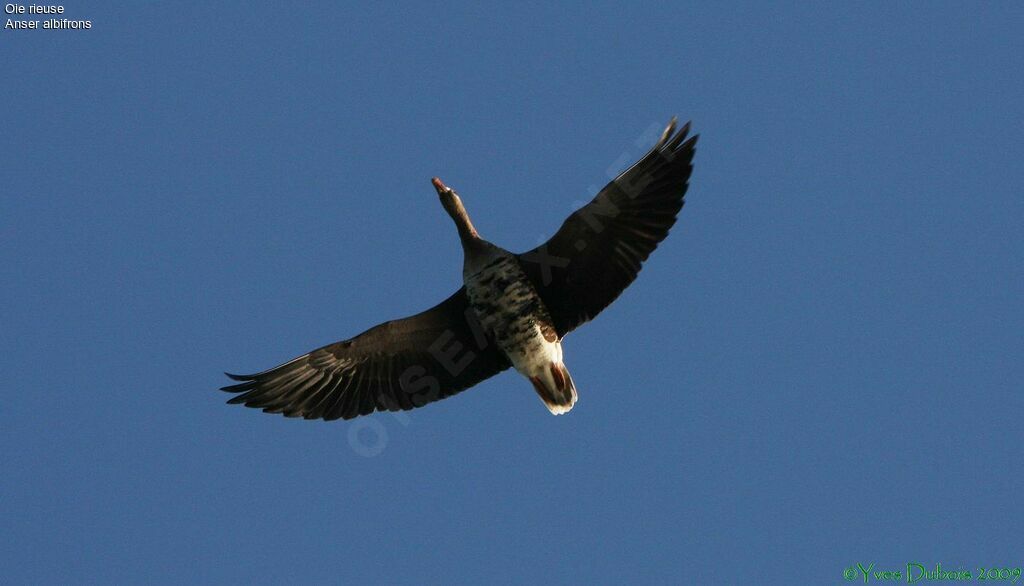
512 310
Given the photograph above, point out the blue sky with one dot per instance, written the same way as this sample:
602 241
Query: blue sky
821 366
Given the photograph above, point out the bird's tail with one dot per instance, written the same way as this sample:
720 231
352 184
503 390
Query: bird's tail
555 388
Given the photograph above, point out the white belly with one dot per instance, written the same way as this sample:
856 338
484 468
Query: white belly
535 355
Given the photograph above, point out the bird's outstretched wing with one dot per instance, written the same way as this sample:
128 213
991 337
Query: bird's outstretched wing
599 249
400 364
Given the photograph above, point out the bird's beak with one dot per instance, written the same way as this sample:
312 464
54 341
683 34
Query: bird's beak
439 186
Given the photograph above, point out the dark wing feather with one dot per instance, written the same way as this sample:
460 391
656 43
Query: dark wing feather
400 364
599 249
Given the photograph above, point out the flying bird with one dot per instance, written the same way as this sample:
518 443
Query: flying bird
512 310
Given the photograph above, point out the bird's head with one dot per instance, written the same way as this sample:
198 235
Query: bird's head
453 205
449 199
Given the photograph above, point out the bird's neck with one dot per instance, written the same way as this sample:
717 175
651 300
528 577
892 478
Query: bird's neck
467 233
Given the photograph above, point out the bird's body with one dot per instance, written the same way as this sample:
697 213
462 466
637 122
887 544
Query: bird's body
512 314
513 309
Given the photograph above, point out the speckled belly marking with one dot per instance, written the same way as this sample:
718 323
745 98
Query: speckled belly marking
512 313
